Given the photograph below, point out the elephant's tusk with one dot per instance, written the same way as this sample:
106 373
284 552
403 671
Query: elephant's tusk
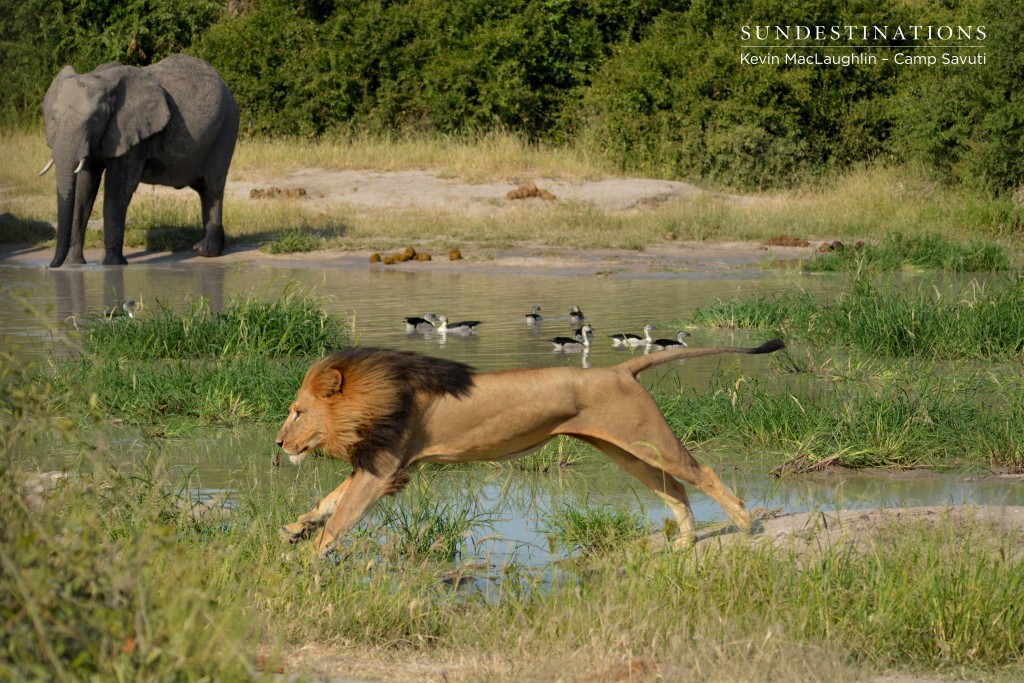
49 165
81 165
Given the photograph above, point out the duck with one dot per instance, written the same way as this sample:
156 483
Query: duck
575 344
534 317
662 344
633 340
575 315
127 308
424 324
464 327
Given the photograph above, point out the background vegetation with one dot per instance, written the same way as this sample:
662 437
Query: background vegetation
652 87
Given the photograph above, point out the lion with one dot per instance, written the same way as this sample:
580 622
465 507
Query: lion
387 411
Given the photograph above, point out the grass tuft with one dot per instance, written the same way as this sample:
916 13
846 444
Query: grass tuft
981 322
927 251
167 369
589 530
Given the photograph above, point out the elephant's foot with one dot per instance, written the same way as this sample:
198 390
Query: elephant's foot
69 261
114 258
211 245
75 258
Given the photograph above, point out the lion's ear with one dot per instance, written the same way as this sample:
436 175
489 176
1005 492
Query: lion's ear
333 382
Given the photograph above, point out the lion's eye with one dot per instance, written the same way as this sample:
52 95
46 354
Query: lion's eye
298 414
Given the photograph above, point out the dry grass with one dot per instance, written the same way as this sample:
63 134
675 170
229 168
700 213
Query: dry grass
492 156
864 203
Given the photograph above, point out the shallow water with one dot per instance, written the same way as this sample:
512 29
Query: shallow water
35 301
516 504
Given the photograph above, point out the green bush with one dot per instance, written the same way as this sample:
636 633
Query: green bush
655 88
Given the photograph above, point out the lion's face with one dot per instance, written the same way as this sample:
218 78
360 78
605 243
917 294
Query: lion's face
305 428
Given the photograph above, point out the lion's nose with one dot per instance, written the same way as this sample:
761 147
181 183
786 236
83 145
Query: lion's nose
280 441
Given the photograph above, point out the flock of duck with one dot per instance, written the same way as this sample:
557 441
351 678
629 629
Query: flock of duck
580 342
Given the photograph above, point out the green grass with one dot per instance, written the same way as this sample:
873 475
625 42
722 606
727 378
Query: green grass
590 530
982 322
420 524
907 416
168 370
116 575
291 326
293 241
560 452
142 588
927 251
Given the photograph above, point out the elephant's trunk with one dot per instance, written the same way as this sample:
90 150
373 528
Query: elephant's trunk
66 178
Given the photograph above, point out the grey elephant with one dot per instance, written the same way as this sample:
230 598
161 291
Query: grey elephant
172 123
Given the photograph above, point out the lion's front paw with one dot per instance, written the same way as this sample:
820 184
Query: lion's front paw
294 532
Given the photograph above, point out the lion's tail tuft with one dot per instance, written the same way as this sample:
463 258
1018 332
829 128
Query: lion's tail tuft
769 346
637 365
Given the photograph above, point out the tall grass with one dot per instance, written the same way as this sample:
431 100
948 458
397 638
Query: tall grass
927 251
980 322
421 525
169 369
911 416
291 326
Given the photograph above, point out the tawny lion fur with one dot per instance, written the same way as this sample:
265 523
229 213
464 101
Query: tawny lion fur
386 411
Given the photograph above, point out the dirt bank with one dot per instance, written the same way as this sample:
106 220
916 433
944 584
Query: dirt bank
370 191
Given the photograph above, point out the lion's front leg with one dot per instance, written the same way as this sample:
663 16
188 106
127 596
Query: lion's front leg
306 524
363 492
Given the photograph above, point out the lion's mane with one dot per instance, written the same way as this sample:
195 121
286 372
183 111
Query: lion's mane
370 415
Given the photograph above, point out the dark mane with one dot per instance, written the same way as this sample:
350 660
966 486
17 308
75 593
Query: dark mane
408 375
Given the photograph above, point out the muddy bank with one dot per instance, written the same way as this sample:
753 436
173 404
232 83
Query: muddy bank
681 257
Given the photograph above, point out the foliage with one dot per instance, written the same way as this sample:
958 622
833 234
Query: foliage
653 87
37 38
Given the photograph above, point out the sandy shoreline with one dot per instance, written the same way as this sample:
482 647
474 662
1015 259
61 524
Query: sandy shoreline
696 258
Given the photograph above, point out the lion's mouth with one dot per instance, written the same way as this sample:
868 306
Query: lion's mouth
296 456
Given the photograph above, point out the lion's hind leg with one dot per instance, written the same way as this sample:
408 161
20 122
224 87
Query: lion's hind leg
664 486
639 429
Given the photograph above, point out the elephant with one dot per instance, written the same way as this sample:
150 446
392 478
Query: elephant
172 123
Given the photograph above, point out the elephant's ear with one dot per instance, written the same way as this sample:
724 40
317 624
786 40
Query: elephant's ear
139 111
50 101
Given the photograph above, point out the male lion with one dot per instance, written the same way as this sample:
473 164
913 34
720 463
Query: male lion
385 411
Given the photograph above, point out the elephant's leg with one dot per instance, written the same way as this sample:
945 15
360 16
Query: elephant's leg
212 200
211 189
122 181
87 185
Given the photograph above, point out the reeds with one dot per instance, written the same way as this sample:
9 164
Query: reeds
168 369
978 322
928 251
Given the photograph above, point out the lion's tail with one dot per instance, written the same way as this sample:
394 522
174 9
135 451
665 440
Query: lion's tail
641 363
